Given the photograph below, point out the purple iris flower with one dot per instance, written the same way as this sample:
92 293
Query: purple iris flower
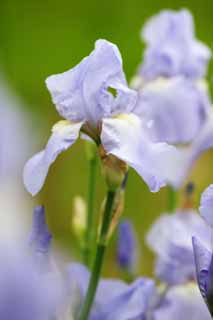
173 97
127 251
115 300
94 98
170 238
172 48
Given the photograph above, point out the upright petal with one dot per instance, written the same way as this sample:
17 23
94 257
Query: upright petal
153 161
64 134
83 93
206 205
172 48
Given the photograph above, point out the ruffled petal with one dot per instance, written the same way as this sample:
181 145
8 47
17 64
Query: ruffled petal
64 134
83 93
172 48
125 137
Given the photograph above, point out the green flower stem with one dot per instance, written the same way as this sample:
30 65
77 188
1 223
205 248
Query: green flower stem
98 262
172 199
89 233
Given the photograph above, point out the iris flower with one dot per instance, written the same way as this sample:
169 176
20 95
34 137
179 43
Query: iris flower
94 98
173 94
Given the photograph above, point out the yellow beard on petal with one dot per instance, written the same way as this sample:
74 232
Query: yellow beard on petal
60 126
130 118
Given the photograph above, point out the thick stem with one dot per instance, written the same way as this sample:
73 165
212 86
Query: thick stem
101 247
172 199
89 233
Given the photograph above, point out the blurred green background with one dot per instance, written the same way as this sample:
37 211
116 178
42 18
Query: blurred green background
40 38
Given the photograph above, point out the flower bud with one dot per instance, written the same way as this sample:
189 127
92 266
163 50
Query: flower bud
127 251
114 169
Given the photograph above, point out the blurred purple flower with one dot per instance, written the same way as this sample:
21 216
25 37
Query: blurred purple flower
170 238
40 238
24 292
173 97
94 99
14 143
172 48
127 250
115 300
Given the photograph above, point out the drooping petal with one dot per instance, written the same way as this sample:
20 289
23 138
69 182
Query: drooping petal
64 134
178 108
172 48
83 93
125 137
206 205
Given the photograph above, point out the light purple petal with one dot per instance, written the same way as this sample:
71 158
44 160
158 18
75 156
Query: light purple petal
206 205
83 93
124 136
172 48
35 171
178 108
